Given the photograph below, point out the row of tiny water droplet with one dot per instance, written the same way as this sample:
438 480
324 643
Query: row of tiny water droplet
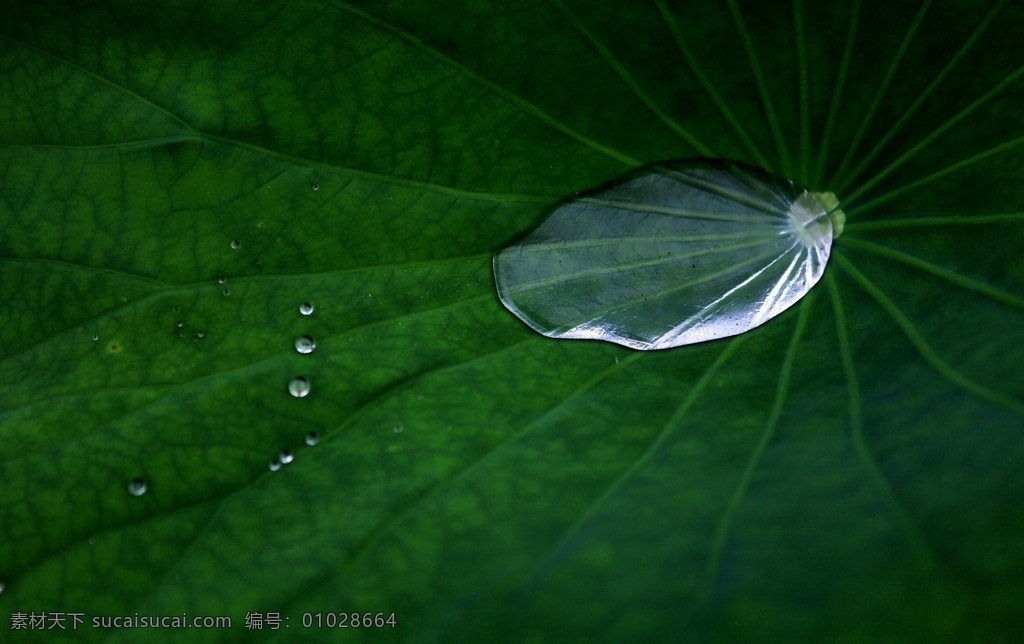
299 388
286 457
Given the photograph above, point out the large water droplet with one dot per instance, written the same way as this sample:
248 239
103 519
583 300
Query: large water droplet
235 244
299 387
305 344
306 308
285 457
672 254
312 438
137 487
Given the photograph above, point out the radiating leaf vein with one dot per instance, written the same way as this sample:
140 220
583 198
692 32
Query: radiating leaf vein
936 81
922 552
922 346
959 165
613 488
704 81
510 97
630 82
762 86
939 271
717 546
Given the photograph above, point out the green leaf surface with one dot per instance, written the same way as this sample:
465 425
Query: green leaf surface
852 469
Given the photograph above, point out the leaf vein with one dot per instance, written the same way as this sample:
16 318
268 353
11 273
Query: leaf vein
922 552
921 345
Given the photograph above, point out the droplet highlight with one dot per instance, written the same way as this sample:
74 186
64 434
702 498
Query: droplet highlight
306 308
305 344
299 387
137 487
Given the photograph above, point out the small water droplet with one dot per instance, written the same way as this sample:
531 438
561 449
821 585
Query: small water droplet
298 387
2 587
92 541
312 438
137 487
316 186
175 309
95 337
198 335
398 428
305 344
259 260
179 324
285 457
274 465
306 308
226 291
235 244
221 280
